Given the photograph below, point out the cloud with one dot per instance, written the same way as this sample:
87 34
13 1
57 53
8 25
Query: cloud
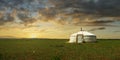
116 31
100 28
7 37
102 7
64 12
93 22
5 19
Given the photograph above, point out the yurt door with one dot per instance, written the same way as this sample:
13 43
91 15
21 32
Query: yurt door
79 38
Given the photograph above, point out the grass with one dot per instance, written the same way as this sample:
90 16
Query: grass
58 49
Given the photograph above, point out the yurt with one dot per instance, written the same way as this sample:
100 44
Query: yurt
82 36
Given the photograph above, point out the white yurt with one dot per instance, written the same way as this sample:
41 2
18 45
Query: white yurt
82 36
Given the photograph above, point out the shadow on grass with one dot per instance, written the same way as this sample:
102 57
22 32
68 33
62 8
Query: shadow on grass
1 56
56 58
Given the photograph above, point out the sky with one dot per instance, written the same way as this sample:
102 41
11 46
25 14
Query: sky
59 18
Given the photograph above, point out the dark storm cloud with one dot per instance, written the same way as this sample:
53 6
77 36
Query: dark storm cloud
109 7
103 7
100 28
94 23
61 11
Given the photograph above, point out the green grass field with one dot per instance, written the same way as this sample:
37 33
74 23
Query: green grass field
58 49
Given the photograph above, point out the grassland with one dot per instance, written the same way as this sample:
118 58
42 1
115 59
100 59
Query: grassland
58 49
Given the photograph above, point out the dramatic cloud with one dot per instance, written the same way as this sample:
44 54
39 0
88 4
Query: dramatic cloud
100 28
64 12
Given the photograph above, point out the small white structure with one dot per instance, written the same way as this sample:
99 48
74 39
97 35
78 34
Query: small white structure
82 36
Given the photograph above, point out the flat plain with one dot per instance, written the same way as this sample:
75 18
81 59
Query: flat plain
58 49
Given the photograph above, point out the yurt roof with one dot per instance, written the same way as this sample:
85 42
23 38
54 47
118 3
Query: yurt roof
83 32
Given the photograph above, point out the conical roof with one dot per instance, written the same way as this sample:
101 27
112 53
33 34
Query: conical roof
83 33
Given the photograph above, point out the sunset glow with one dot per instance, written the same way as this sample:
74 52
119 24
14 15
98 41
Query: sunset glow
33 35
59 18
